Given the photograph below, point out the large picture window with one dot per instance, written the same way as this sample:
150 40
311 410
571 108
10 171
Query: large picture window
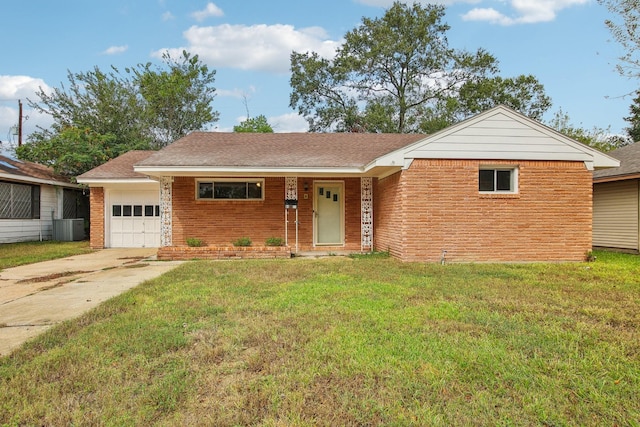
229 190
497 180
19 201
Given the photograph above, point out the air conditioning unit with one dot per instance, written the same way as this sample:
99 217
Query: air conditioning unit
68 230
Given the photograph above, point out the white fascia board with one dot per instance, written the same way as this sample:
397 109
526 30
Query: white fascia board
159 171
31 180
96 182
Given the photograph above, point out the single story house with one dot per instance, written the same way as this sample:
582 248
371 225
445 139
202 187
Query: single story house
616 202
496 187
32 197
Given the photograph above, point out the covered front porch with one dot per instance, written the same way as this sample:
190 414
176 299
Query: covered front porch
306 214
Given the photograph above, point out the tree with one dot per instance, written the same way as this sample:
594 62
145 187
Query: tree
72 151
634 119
398 74
175 101
257 124
626 31
143 108
601 139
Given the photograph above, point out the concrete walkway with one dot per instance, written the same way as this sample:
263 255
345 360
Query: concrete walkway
38 296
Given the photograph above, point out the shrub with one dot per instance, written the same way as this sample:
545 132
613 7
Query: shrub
243 241
194 242
274 241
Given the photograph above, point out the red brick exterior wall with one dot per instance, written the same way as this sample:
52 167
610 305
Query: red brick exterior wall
387 215
219 223
96 227
440 208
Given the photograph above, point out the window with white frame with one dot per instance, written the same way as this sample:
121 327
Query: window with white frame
229 189
498 180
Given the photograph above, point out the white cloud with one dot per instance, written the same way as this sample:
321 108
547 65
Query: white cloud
20 87
388 3
114 50
13 88
290 122
257 47
525 12
167 16
210 10
236 93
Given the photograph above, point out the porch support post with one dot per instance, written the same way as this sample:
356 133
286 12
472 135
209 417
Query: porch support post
166 213
291 200
366 215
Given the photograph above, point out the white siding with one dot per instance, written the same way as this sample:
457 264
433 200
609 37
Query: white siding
25 230
615 214
500 136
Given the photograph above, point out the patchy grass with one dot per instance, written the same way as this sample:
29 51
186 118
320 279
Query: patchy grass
14 254
339 341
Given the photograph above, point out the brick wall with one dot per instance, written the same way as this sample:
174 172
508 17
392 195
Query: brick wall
387 215
548 220
96 227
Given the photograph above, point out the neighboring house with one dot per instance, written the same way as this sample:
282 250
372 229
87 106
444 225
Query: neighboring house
496 187
32 196
616 202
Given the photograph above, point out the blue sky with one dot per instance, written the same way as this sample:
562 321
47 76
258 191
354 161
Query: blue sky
564 43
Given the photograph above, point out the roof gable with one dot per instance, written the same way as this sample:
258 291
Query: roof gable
503 134
119 168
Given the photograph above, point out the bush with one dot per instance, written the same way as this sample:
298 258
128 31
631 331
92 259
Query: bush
274 241
195 242
243 241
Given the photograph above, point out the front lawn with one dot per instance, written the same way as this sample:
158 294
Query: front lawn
14 254
340 341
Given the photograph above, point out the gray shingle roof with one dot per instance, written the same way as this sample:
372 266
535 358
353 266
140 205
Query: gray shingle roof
278 149
629 157
119 168
23 170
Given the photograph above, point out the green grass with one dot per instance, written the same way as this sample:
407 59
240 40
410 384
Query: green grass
339 341
14 254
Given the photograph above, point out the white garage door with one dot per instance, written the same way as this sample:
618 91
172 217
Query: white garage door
134 219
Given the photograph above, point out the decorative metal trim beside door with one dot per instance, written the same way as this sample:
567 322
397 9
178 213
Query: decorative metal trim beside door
291 188
166 201
366 216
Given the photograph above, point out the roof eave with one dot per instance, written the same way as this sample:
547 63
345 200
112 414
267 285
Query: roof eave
159 171
32 180
97 182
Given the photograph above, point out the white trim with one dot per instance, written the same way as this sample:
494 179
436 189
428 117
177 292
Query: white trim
31 180
95 182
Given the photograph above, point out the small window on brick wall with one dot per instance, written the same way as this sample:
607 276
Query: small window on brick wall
498 180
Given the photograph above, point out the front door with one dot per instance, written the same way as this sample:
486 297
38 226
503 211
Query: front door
329 213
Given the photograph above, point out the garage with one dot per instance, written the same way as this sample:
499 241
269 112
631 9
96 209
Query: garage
133 219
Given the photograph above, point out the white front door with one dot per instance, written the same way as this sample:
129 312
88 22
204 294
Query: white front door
329 213
134 219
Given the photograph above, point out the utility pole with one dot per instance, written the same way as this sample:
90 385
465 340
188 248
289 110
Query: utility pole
19 122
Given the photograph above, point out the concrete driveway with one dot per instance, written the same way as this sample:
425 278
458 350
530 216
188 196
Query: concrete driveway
38 296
